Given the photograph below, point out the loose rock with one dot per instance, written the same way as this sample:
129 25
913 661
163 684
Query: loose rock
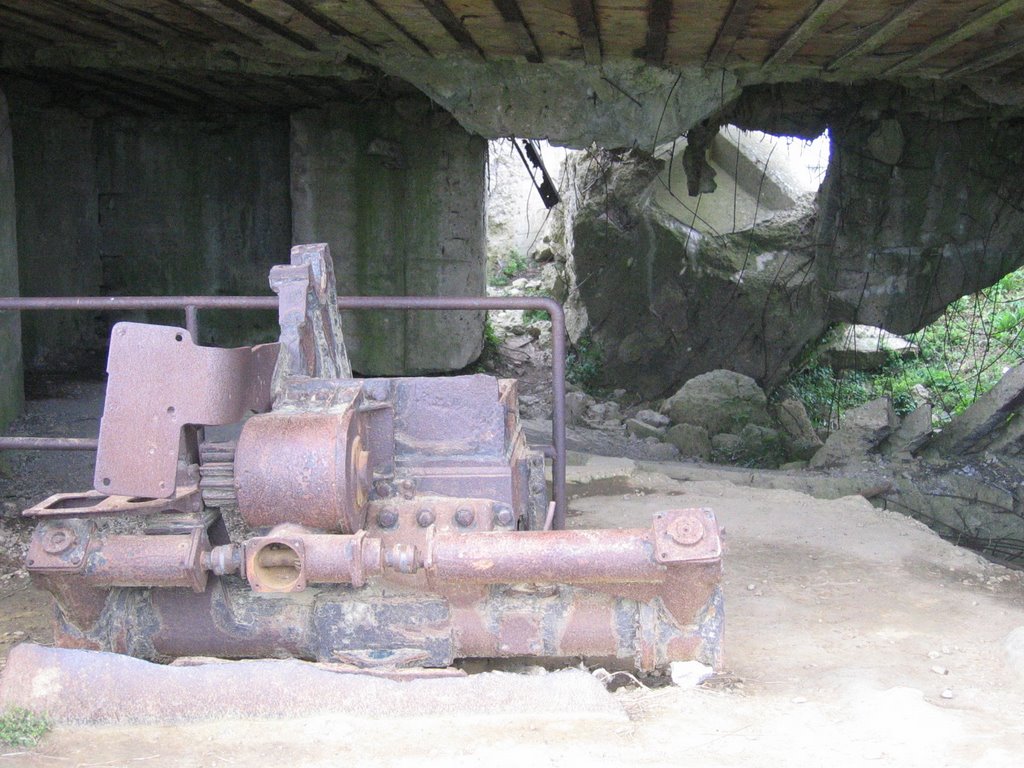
719 401
691 441
862 430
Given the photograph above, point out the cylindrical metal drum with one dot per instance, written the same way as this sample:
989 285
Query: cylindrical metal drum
311 469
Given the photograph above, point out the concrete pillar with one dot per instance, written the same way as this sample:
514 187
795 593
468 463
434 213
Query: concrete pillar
11 391
398 192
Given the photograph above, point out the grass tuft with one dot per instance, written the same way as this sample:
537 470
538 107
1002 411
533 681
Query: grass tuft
22 728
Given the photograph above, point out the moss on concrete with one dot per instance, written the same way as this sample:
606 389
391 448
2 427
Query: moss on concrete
397 191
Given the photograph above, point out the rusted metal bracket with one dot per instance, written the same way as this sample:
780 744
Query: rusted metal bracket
185 499
159 381
312 343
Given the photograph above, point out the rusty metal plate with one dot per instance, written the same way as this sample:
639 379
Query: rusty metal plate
159 381
686 535
451 416
95 504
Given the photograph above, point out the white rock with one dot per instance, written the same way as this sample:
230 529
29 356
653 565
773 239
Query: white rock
947 693
1014 646
689 674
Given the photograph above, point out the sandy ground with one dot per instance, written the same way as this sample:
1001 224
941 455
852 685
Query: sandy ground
855 636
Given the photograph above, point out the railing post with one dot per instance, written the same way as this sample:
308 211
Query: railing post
192 321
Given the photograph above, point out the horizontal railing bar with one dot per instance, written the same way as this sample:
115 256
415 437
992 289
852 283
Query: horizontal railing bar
48 443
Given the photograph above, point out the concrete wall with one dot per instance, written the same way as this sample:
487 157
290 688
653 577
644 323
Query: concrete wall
58 230
192 207
398 192
132 205
11 392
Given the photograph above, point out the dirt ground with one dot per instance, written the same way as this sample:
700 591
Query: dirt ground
855 636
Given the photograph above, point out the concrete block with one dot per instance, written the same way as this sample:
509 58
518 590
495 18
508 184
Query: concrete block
406 222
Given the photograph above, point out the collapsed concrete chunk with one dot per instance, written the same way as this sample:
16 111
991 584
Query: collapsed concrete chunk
989 412
862 430
865 348
912 433
642 429
802 441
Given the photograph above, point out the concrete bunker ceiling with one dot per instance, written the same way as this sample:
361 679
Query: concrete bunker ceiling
571 70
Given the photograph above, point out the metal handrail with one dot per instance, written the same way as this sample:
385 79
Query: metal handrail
192 304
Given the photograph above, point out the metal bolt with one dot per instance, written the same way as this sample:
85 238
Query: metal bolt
504 515
382 488
465 516
387 518
408 489
425 518
58 540
686 530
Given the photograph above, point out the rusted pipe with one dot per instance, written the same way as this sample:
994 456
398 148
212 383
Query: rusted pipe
472 303
549 557
286 560
48 443
117 303
145 561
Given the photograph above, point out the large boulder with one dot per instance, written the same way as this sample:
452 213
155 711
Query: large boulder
664 303
754 446
691 441
719 401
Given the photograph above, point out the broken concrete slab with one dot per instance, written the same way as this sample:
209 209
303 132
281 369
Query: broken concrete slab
642 429
987 413
865 348
802 441
863 428
619 104
691 441
912 433
653 418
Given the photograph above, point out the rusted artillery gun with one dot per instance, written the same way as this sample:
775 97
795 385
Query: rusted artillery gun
374 522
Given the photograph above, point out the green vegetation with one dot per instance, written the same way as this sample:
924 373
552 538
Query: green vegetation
508 268
963 354
533 315
583 364
491 340
22 728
